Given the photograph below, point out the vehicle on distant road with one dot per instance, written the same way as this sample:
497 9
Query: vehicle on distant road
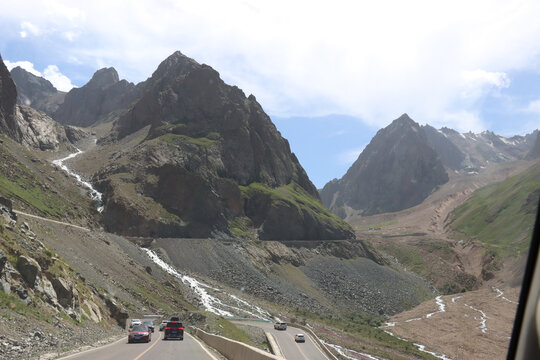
163 324
150 324
135 322
299 338
280 326
139 333
175 318
174 330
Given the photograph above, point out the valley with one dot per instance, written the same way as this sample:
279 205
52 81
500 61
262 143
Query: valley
178 196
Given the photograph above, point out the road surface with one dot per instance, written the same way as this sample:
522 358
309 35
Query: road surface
289 348
189 348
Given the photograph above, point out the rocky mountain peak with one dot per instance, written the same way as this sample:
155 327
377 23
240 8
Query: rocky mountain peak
398 169
102 95
177 64
207 138
36 91
20 76
103 78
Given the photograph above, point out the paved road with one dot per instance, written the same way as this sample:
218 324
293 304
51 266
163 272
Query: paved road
50 220
189 348
289 348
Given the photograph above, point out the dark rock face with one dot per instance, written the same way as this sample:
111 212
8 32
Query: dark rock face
397 170
534 153
8 99
206 142
64 291
102 95
36 91
3 261
29 269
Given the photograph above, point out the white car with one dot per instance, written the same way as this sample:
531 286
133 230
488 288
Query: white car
135 322
299 338
163 324
280 326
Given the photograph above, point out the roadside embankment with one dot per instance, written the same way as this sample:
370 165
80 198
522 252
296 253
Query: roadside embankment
234 350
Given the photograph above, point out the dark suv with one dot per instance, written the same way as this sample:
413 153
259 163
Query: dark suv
174 330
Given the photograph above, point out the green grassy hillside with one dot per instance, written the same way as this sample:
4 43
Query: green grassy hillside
502 215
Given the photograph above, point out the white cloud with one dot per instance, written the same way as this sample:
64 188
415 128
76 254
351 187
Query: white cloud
480 82
29 28
533 107
462 121
373 60
59 80
26 65
70 35
51 73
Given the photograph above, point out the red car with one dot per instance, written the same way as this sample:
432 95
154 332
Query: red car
140 333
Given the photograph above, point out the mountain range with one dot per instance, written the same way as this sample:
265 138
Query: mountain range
405 162
195 171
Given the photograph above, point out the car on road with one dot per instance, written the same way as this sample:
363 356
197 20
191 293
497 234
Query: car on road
150 324
140 333
163 324
280 326
299 338
135 322
174 330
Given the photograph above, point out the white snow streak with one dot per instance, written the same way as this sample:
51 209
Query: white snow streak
483 318
442 307
501 295
439 356
344 352
208 301
94 194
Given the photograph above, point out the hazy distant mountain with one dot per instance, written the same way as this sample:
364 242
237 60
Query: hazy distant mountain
36 91
470 151
212 163
101 96
534 153
398 169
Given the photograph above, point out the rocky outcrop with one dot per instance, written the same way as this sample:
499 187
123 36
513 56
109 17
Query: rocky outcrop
27 126
3 261
212 165
118 312
39 131
397 170
101 96
63 290
36 91
29 270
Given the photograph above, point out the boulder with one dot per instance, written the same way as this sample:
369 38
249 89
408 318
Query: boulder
49 292
29 269
3 261
118 312
64 291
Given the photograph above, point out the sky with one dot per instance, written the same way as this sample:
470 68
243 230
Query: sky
329 74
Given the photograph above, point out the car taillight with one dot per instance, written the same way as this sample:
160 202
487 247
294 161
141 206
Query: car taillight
167 328
181 329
